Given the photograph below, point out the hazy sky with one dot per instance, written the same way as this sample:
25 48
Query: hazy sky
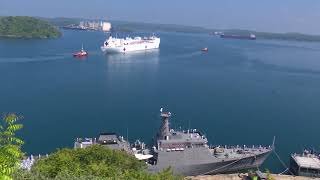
261 15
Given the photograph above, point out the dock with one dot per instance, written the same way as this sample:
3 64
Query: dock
236 177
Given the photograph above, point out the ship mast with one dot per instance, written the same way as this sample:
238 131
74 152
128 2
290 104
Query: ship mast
165 129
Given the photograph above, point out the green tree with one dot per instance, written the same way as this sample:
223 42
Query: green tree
27 27
95 162
10 145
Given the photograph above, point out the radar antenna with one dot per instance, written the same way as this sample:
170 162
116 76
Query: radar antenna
164 129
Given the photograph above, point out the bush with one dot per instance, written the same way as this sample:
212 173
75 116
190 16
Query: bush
10 145
95 162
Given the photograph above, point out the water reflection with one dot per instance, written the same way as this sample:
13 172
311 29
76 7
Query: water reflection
150 57
145 57
132 64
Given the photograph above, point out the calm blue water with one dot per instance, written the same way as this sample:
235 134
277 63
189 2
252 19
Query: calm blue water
240 92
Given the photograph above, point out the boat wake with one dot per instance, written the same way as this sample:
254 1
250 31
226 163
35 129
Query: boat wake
186 55
33 59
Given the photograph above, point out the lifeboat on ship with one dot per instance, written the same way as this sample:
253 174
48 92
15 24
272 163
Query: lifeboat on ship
204 49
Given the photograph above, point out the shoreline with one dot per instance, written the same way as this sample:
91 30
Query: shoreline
236 177
11 36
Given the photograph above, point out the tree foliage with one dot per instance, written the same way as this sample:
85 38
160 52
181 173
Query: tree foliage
26 27
10 145
94 162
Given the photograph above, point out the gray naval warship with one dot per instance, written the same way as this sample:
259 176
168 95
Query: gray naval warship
186 151
305 164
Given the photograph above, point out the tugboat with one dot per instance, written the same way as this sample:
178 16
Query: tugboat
81 53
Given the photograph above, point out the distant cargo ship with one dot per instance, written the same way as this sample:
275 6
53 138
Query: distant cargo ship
120 45
75 28
250 37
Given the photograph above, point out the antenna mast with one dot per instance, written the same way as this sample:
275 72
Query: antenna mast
165 129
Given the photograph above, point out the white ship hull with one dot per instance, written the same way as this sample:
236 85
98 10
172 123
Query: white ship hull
129 45
129 48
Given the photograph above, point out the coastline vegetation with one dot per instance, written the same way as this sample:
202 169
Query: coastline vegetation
290 36
137 27
10 146
30 27
27 27
61 21
95 162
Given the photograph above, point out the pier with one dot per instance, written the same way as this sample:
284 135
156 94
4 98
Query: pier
237 177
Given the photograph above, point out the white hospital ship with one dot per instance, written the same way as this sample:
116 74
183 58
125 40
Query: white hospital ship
121 45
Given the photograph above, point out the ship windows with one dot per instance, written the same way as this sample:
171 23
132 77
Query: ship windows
310 171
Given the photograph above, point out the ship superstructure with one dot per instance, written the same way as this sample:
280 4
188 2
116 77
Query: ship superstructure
305 164
123 45
188 153
110 140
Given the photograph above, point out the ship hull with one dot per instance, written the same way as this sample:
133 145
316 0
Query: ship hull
217 167
130 48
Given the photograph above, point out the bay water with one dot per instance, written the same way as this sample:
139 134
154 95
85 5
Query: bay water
239 92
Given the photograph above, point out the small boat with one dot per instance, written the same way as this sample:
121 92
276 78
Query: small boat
204 49
81 53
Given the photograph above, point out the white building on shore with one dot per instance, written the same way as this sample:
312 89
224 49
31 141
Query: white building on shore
95 25
106 26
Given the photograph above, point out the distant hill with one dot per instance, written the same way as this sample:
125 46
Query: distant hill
135 26
27 27
277 36
139 26
61 21
124 26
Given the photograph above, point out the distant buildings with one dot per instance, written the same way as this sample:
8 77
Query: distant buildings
91 25
95 25
106 26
